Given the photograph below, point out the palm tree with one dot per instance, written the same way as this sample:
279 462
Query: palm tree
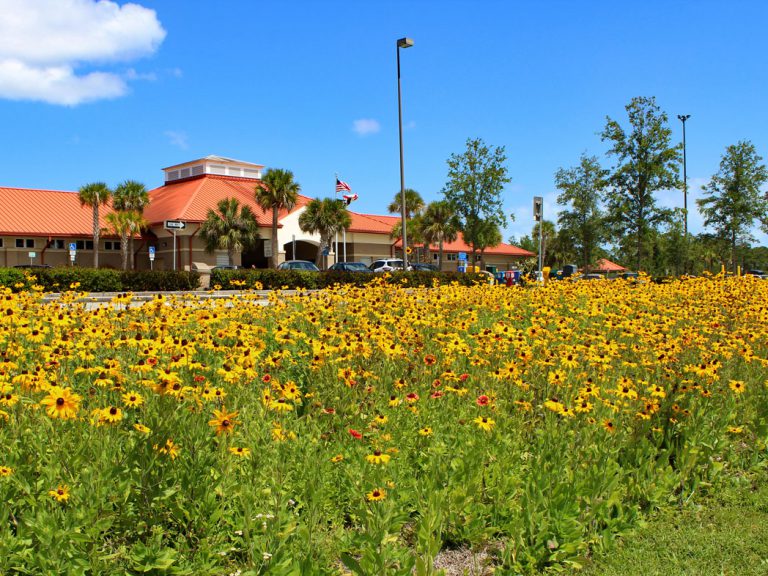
95 195
489 235
125 223
325 217
439 224
277 190
130 196
414 203
229 228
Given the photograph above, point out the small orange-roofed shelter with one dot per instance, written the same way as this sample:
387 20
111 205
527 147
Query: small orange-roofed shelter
605 266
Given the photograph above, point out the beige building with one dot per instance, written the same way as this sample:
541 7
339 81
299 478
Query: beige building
39 226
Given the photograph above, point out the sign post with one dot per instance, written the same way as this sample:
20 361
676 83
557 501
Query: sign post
151 257
462 262
174 226
72 253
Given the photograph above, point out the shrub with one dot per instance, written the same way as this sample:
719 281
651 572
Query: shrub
98 280
269 279
159 281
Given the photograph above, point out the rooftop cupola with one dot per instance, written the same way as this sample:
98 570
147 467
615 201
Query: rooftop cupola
217 165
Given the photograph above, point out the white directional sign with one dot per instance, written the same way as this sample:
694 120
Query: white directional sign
175 225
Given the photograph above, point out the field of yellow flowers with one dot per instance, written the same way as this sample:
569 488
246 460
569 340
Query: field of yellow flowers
364 430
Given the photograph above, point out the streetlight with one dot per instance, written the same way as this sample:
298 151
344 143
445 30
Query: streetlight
402 43
683 118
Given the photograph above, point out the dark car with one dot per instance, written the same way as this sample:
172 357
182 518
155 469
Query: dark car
33 266
628 276
226 267
423 267
304 265
350 267
760 273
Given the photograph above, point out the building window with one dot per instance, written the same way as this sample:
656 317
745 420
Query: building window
1 242
110 245
58 244
84 244
452 257
25 243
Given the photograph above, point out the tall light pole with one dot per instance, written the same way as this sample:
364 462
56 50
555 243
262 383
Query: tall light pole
683 118
402 43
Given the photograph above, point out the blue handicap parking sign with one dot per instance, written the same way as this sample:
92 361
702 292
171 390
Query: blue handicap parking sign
72 246
151 250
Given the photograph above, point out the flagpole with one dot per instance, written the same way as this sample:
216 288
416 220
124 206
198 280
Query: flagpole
336 236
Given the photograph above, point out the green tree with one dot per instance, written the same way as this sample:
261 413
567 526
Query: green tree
646 162
229 228
475 181
325 217
732 198
126 223
581 189
95 195
439 224
277 191
130 196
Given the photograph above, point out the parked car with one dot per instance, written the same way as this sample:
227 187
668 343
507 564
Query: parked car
760 273
225 267
387 265
423 267
350 267
305 265
592 277
628 276
33 266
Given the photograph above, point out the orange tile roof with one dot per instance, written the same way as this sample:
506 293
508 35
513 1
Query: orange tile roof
459 245
190 199
371 223
30 212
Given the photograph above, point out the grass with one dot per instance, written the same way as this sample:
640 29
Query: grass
724 534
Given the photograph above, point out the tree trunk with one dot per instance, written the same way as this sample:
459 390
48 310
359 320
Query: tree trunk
124 249
440 255
231 257
275 251
96 235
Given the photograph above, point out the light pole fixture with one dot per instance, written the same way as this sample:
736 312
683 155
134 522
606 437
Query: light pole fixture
683 118
402 43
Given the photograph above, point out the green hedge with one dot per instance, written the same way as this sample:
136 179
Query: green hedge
101 280
270 279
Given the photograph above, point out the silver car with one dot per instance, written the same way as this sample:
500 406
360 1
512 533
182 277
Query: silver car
387 265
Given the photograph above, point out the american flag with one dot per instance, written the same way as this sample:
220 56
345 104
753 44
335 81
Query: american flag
342 186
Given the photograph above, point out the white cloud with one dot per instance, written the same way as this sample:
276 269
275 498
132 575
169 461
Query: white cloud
178 138
42 43
366 126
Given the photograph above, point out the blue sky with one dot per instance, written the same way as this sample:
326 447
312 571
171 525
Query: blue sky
110 91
